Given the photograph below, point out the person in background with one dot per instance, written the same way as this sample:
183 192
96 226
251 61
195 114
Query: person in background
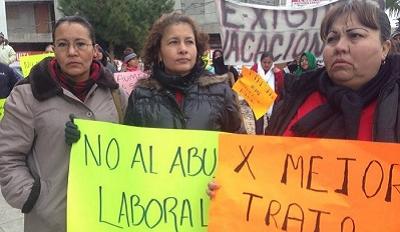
292 65
395 42
274 77
180 94
34 156
220 67
396 34
8 78
7 53
131 63
307 63
394 47
104 58
128 50
49 48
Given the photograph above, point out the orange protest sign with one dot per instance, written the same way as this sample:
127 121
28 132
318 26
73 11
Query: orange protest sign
300 184
255 91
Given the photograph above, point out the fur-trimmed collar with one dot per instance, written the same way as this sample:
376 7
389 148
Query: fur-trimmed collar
204 80
44 87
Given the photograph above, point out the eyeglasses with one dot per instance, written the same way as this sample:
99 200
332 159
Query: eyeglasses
79 46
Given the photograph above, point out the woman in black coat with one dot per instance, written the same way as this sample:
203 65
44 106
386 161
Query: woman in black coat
180 94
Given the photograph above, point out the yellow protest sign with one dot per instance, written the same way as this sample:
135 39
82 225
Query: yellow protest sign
257 93
27 62
2 102
301 184
125 178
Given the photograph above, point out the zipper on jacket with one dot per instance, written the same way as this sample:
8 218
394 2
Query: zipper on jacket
177 108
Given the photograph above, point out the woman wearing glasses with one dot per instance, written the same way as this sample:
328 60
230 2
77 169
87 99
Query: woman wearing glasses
33 154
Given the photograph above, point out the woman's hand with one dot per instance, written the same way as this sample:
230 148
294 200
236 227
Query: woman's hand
72 133
213 186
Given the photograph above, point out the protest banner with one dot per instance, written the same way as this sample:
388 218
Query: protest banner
127 80
302 184
257 93
248 30
27 62
125 178
2 102
306 3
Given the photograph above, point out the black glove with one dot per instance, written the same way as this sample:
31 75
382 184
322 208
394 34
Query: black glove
72 133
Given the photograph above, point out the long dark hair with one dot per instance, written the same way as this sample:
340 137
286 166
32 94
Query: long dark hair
219 63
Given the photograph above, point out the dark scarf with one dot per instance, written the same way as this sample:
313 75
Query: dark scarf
175 83
219 66
340 116
79 89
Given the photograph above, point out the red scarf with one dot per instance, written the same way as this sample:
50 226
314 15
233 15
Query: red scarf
132 69
79 88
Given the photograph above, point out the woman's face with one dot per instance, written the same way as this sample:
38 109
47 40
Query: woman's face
304 62
98 55
133 62
266 63
178 49
353 53
74 50
217 54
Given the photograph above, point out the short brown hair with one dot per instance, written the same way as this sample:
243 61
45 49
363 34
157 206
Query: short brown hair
368 14
152 45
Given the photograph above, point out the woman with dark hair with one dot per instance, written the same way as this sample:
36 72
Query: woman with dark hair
220 68
131 63
356 95
179 93
274 78
103 57
34 157
307 63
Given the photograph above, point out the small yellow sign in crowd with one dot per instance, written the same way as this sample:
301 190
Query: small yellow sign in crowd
2 102
27 62
257 93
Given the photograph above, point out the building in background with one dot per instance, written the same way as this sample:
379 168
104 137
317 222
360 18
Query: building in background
204 12
29 24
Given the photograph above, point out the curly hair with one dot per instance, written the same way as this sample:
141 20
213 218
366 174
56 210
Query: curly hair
152 46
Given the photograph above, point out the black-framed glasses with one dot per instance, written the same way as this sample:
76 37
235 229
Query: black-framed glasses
78 45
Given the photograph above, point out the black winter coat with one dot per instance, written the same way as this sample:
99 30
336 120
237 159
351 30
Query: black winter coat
386 122
8 78
208 104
